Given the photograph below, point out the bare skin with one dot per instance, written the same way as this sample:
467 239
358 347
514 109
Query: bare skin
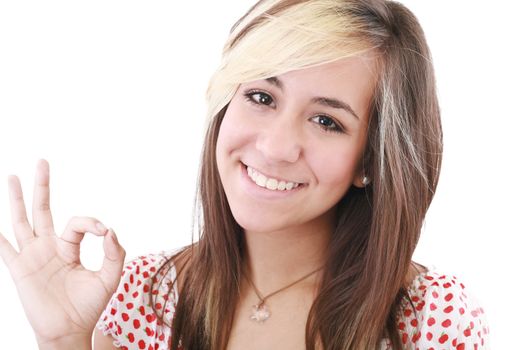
62 300
286 327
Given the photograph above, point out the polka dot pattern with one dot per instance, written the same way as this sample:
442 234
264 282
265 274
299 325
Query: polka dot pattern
446 315
129 317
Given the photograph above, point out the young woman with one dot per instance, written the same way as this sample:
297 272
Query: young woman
322 156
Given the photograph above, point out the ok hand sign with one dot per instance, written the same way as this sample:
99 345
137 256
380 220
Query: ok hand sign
62 300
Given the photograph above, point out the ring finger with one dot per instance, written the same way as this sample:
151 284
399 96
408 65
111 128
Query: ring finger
23 231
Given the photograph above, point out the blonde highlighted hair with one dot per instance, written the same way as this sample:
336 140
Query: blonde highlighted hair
274 38
377 229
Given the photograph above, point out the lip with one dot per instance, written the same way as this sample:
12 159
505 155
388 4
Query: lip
261 192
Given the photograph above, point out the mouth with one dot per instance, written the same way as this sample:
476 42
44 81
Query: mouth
270 183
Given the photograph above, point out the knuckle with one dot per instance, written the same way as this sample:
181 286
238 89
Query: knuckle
91 219
43 207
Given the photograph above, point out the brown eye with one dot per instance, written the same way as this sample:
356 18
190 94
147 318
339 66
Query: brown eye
327 123
259 98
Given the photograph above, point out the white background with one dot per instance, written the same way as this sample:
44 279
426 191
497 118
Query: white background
111 93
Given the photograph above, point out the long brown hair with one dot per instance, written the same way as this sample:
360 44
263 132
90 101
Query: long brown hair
377 227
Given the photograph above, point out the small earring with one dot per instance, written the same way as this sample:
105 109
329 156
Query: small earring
366 180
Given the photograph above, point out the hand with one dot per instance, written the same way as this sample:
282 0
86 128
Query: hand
60 297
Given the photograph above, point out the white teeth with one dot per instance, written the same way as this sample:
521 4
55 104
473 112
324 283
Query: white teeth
260 180
269 183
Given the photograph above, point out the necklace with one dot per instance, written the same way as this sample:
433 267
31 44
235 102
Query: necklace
260 311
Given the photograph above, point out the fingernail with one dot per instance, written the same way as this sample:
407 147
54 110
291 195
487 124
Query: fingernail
101 228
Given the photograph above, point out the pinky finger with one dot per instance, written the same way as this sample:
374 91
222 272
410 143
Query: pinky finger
7 252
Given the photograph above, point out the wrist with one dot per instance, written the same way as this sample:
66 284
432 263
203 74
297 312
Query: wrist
77 342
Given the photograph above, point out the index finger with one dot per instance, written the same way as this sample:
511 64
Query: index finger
42 220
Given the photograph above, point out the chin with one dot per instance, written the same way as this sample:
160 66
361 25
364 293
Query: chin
258 222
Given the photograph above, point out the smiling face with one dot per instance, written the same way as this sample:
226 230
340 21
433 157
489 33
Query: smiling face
289 147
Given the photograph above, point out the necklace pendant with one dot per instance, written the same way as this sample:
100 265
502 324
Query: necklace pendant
260 313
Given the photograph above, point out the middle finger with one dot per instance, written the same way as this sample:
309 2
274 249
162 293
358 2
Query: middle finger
42 220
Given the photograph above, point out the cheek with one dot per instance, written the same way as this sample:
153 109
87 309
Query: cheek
337 170
226 133
233 134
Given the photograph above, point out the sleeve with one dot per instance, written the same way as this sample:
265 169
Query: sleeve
129 317
447 316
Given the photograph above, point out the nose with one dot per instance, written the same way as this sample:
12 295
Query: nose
279 141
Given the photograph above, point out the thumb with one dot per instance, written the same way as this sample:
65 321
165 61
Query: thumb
113 263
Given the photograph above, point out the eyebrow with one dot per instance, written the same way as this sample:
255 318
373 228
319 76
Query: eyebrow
326 101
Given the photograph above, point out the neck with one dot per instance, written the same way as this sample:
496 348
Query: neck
275 259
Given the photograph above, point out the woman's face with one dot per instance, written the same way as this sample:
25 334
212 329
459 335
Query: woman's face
289 147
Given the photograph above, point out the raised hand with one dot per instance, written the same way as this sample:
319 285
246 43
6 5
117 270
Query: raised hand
62 300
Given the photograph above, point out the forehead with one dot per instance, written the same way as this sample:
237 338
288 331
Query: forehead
357 71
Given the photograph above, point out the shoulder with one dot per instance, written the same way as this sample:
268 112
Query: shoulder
445 313
147 289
